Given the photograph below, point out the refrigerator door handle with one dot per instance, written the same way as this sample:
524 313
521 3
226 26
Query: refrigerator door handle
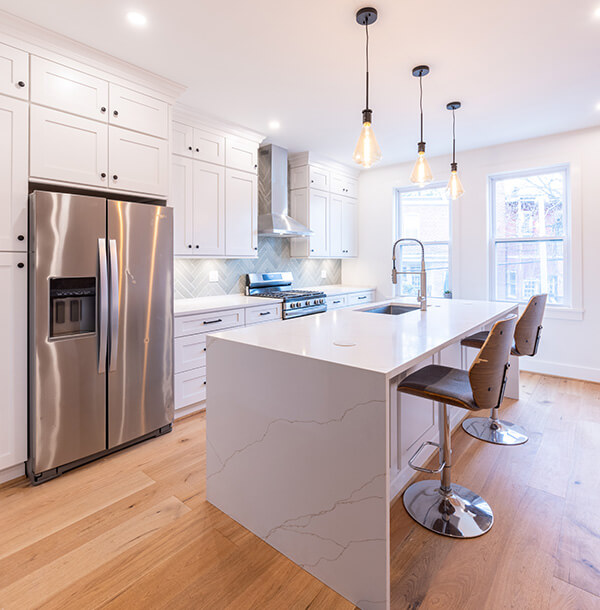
114 305
103 302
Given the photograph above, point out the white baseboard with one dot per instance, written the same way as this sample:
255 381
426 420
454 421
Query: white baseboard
586 373
13 472
189 410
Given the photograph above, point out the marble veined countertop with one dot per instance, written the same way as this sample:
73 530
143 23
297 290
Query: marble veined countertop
375 342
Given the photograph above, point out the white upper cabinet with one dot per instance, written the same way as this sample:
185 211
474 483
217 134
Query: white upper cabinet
134 110
67 148
349 227
13 359
69 90
241 154
138 162
241 214
319 178
14 72
336 249
182 139
209 147
344 185
209 209
311 208
181 200
13 174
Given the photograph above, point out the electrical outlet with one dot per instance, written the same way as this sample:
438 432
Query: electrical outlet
213 276
323 274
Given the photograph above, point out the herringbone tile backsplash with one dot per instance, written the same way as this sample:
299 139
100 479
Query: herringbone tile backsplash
191 275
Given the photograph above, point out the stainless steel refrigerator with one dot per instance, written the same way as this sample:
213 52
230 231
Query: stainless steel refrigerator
100 328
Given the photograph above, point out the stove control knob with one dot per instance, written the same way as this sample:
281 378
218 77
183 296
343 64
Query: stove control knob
292 305
307 303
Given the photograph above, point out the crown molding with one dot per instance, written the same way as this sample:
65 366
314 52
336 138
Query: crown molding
311 158
38 40
190 116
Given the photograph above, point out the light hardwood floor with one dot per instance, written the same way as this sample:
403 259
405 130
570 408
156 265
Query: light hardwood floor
134 529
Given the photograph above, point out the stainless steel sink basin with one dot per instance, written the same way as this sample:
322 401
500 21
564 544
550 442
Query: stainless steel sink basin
392 310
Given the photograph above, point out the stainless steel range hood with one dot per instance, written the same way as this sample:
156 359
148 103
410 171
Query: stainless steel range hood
273 219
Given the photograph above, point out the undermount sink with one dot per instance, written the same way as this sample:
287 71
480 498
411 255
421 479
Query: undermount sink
392 310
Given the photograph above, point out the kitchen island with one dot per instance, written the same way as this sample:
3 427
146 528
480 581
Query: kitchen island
307 441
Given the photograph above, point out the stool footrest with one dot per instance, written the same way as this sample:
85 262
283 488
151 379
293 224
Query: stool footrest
421 468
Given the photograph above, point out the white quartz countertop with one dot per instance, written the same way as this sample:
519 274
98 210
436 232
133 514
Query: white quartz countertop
334 289
387 344
184 307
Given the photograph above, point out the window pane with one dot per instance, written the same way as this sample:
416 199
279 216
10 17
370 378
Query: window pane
527 268
436 263
425 214
530 206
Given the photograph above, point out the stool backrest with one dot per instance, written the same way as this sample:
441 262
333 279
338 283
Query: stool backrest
529 326
488 371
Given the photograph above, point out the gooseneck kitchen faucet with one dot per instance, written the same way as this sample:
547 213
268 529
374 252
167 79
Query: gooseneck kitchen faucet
422 296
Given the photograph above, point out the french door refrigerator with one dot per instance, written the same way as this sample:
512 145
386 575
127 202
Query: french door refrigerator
100 328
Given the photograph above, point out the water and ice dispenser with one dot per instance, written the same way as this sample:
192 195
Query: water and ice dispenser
72 306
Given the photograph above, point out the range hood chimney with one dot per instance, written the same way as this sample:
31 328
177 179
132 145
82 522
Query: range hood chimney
273 219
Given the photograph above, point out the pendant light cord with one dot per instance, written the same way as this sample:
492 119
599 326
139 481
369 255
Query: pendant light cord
421 103
367 62
453 136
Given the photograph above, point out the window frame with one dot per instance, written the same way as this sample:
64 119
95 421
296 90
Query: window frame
566 239
398 220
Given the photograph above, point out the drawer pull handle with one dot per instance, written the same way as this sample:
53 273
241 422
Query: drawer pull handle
265 313
336 302
212 321
21 84
361 298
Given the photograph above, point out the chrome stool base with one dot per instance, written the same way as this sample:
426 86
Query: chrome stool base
495 431
461 514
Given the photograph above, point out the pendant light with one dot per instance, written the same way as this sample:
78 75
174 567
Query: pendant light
421 173
455 188
367 150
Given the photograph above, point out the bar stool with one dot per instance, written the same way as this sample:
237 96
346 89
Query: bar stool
527 338
447 508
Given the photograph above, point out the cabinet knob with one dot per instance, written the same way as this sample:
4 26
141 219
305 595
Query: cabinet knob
312 250
189 245
115 177
255 165
115 113
189 148
103 109
197 246
20 265
312 181
204 382
20 237
103 175
197 150
255 247
21 84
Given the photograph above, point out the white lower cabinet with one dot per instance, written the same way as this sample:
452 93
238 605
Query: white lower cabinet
336 302
358 298
13 356
13 174
68 148
258 315
190 387
138 162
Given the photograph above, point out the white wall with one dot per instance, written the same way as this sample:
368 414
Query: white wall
569 340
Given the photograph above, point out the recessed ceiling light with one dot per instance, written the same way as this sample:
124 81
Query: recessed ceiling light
136 19
274 124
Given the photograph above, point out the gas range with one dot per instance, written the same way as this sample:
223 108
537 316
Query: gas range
277 285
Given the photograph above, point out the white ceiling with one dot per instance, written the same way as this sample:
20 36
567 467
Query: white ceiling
522 68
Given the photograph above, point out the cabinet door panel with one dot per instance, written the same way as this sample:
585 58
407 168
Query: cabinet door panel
336 205
319 178
182 139
209 147
209 209
190 352
182 202
319 223
14 69
240 214
349 227
13 357
343 185
68 148
241 154
134 110
138 162
190 387
13 174
68 90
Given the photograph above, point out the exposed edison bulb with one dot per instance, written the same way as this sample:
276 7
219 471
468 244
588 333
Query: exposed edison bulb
455 188
421 173
367 151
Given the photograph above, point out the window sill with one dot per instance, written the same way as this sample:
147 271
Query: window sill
563 313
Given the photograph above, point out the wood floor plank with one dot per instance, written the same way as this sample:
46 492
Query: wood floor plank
567 597
35 588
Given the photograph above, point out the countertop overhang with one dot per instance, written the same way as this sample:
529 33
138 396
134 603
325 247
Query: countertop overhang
387 344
